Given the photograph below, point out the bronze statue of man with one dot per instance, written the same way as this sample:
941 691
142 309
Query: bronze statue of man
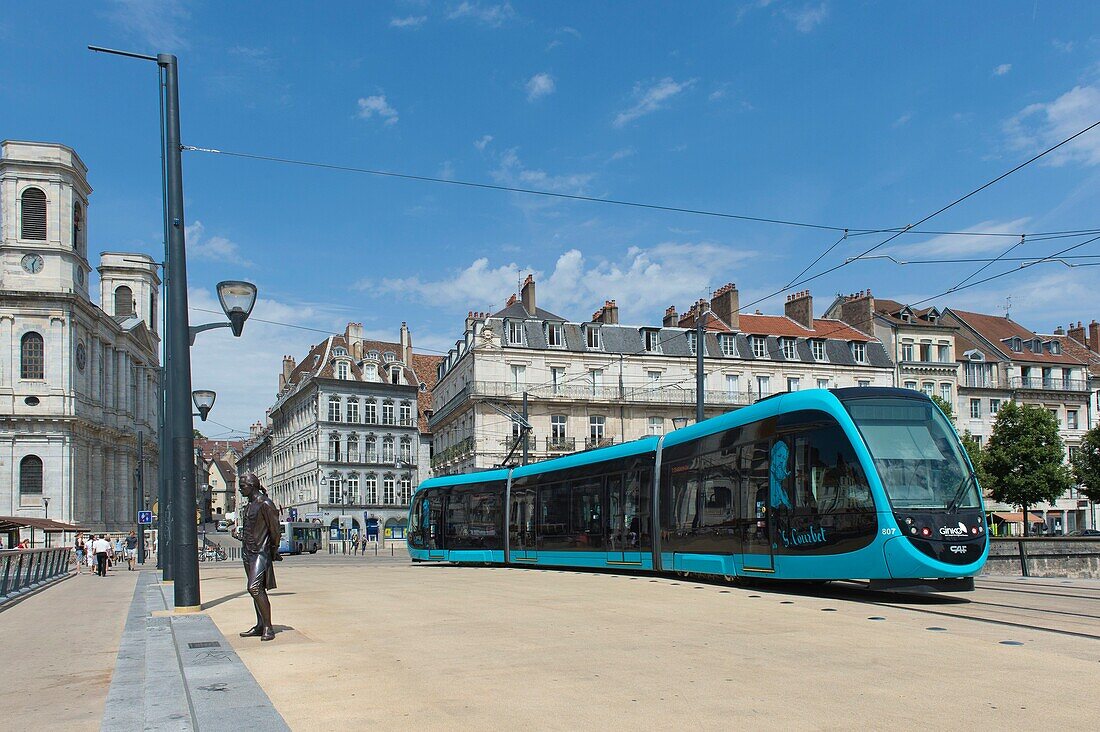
259 536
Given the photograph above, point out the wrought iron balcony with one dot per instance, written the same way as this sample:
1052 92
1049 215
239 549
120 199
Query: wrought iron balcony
593 442
561 444
1049 384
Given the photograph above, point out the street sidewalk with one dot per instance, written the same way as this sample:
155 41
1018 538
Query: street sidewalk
59 648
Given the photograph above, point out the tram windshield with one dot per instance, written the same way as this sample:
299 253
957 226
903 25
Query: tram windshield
917 454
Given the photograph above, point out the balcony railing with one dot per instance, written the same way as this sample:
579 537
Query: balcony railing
594 442
560 444
606 393
454 453
977 382
1049 384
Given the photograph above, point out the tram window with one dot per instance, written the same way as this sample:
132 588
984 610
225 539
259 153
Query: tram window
474 519
827 477
415 535
553 512
587 521
454 524
639 486
703 512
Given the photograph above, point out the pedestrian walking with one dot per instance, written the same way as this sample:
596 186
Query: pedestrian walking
131 550
102 548
79 548
89 551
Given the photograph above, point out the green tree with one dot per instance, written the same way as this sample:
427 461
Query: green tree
1086 466
977 458
945 407
198 435
1024 460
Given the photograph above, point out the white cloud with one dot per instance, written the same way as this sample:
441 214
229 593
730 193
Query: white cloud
1043 296
625 152
159 24
1041 125
447 170
512 171
245 371
943 245
483 142
490 15
1002 69
539 85
643 281
411 21
650 98
377 105
719 92
808 17
212 248
1063 46
902 120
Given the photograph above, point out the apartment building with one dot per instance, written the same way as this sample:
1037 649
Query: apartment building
596 382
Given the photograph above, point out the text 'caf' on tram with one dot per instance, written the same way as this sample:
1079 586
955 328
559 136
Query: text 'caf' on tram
863 484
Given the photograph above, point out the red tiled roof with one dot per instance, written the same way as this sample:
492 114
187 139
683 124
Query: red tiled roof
426 369
889 308
782 326
996 328
1078 350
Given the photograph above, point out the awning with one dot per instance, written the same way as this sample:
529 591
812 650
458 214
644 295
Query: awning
1017 517
11 523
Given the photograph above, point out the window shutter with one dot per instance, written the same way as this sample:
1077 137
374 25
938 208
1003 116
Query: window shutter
33 213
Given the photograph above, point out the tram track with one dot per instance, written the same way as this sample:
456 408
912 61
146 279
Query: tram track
989 620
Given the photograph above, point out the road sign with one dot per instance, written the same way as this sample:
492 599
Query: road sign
293 514
145 517
314 515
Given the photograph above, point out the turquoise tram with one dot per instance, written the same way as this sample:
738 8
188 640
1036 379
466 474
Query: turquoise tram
862 483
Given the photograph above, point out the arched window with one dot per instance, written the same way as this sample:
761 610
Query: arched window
124 300
353 448
334 448
33 215
78 228
30 478
32 363
353 489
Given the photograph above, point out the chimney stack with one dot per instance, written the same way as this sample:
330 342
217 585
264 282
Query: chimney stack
1077 333
800 308
608 314
406 344
670 317
288 369
725 303
858 311
527 295
1094 336
354 336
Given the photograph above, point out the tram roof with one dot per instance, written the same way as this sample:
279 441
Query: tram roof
484 476
589 457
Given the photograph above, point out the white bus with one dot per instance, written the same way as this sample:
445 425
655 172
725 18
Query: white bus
299 537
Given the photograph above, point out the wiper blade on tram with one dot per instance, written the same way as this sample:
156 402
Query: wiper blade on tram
953 504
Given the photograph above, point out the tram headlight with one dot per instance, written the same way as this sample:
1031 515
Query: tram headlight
909 520
926 531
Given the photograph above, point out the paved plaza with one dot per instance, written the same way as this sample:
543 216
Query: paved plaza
372 642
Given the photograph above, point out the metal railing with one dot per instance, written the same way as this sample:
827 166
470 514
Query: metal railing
23 571
647 394
561 444
978 382
1048 384
592 442
454 452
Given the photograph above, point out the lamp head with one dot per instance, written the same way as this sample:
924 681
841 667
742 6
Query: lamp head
237 299
204 401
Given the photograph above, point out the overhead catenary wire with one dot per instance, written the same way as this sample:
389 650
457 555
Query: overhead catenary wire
852 231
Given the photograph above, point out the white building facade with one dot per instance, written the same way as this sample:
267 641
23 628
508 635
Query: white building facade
598 382
346 447
78 381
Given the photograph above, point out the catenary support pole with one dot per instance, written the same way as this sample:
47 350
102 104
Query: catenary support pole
164 442
139 503
185 558
525 434
700 383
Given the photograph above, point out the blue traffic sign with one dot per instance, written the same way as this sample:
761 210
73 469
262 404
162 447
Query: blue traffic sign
145 517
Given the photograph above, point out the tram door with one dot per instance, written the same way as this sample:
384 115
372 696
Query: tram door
433 528
624 522
757 522
521 531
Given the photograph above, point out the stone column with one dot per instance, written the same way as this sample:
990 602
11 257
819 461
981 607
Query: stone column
8 345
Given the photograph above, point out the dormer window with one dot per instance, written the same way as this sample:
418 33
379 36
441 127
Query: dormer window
789 348
1016 344
817 348
372 355
1036 345
859 351
515 332
691 337
339 351
933 316
342 370
389 357
592 337
906 314
1055 347
728 344
759 346
555 335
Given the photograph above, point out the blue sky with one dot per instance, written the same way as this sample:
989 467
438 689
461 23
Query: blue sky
854 115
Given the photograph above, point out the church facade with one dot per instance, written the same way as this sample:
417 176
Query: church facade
78 380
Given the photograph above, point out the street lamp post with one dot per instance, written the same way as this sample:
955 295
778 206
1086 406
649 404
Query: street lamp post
237 299
46 506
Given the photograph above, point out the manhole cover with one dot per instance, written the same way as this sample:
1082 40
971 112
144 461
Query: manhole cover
205 644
